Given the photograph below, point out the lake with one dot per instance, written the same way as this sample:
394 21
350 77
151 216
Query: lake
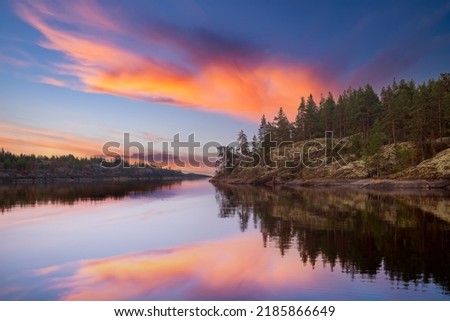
192 240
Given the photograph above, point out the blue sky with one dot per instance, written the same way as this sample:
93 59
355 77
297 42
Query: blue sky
76 74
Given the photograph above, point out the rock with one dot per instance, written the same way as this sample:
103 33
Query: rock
434 168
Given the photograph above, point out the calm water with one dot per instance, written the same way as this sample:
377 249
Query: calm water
193 240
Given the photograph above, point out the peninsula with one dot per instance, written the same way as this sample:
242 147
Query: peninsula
400 138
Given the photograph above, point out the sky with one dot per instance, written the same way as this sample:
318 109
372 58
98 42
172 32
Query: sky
77 74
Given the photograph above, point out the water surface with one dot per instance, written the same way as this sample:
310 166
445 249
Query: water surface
191 240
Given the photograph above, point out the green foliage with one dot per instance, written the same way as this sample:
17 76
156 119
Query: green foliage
282 127
327 109
405 157
375 140
298 127
419 113
356 145
227 159
312 125
262 128
244 146
403 112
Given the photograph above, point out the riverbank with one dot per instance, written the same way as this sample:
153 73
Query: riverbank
368 183
356 173
50 180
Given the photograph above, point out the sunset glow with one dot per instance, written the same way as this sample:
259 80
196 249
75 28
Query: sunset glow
161 152
90 68
45 142
243 85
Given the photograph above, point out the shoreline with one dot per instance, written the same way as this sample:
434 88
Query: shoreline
365 183
118 179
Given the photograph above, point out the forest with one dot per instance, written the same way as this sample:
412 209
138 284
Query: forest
403 112
68 167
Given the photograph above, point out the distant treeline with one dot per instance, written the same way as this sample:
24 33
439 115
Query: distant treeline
13 167
404 111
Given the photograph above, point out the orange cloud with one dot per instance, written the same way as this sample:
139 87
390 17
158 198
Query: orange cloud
39 141
227 80
219 87
230 268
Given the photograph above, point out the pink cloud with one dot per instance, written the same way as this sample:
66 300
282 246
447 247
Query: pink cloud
207 72
52 81
19 139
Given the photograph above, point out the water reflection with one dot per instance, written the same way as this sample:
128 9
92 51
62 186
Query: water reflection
166 242
406 235
70 193
237 267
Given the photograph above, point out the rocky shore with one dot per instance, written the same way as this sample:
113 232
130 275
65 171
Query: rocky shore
368 183
430 174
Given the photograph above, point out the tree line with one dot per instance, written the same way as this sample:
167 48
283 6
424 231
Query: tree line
404 111
13 166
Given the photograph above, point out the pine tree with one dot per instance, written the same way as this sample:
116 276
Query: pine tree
387 97
326 112
254 144
282 127
262 128
299 123
375 140
368 109
311 118
255 153
243 145
419 110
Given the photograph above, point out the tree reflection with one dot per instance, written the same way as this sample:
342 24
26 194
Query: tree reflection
71 193
406 235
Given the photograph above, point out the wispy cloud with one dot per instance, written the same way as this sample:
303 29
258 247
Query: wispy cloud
20 139
13 61
52 81
166 64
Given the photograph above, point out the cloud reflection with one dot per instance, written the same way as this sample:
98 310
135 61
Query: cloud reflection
238 267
